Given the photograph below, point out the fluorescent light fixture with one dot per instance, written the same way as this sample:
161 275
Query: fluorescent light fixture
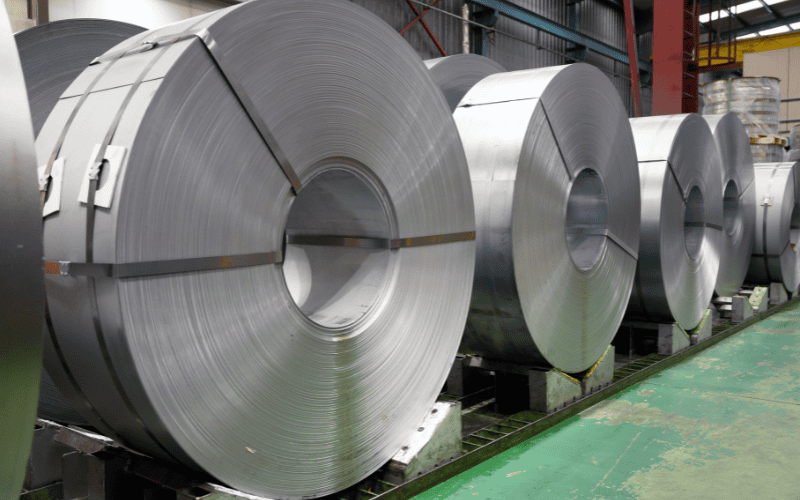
774 31
795 26
704 18
751 35
747 6
738 9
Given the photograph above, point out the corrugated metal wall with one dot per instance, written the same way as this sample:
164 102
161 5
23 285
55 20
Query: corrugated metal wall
607 24
517 46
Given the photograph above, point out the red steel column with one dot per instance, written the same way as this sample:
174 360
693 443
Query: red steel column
668 55
633 56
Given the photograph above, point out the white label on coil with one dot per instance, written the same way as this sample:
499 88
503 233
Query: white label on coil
108 176
56 178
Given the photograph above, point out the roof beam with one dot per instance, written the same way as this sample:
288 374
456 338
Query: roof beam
755 28
525 16
770 9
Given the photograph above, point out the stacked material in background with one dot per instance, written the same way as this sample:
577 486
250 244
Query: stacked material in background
757 102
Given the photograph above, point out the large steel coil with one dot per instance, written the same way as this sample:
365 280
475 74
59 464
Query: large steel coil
52 56
269 273
774 260
457 74
21 279
682 219
738 201
556 186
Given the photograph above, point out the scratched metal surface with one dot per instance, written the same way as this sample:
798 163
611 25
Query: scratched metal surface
721 425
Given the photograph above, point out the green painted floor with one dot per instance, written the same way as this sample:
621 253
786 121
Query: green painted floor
725 424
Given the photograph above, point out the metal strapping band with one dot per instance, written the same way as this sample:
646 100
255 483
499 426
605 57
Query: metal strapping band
674 176
49 266
97 165
216 53
703 224
745 189
161 267
764 228
591 231
624 246
378 243
684 195
71 376
60 142
555 138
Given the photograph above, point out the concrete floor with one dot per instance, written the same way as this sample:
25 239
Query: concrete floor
725 424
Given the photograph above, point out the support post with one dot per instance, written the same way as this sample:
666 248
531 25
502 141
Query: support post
480 36
575 50
633 57
675 29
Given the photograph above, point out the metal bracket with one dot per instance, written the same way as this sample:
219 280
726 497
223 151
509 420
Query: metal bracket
114 157
51 185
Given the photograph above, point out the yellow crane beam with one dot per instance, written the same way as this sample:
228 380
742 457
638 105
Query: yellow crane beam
747 46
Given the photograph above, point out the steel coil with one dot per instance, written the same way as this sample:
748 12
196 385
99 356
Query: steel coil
54 54
774 260
21 280
682 219
456 75
554 174
189 333
738 201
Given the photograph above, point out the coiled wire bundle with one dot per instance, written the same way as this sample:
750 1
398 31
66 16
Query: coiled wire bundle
264 244
457 74
52 56
738 201
553 168
682 219
755 100
774 258
21 280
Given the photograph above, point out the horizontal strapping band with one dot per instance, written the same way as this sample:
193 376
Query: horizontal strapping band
703 224
162 267
592 231
377 243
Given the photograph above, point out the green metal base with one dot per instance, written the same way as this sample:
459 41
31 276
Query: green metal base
723 424
520 428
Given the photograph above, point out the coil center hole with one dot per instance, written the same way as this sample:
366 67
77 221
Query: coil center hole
333 284
587 219
694 222
732 217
